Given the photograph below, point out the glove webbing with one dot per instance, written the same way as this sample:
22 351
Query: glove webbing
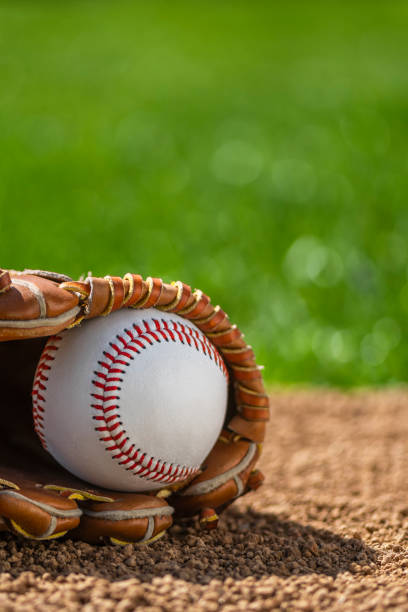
101 296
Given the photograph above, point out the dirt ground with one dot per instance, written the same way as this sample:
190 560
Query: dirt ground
328 530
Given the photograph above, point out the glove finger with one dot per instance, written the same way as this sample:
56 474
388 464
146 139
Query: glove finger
38 514
227 474
33 306
128 518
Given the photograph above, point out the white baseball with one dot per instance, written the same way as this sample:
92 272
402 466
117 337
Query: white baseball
130 402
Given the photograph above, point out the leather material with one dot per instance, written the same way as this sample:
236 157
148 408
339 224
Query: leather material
41 500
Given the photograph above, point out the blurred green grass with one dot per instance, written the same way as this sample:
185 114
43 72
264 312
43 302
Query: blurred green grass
257 150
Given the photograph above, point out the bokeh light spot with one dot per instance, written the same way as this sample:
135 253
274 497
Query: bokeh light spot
309 260
387 333
373 352
342 346
237 163
294 180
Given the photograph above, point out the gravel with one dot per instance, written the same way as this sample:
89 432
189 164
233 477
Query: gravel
328 530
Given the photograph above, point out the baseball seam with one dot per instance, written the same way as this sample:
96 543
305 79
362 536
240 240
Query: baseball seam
114 437
106 393
40 386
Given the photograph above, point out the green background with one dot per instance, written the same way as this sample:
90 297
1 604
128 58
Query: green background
256 150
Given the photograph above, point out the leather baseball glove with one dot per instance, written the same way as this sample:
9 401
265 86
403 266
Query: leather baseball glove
41 500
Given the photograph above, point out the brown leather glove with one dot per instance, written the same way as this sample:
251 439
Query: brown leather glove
41 500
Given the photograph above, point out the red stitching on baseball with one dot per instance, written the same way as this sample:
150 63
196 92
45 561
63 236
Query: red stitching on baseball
114 436
107 404
39 386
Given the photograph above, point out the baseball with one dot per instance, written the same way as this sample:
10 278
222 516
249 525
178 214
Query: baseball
131 402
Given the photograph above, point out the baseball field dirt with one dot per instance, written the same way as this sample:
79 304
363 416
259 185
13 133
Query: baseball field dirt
327 531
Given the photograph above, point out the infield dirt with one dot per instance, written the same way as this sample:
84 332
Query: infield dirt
327 531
